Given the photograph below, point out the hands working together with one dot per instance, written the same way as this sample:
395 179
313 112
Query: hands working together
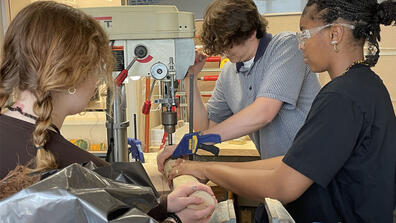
181 166
180 199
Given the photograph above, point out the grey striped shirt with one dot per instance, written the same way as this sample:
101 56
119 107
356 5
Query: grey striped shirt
279 73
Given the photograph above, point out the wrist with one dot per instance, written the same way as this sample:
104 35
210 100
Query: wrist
203 132
174 217
170 220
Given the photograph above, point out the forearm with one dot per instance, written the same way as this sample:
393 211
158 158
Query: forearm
238 125
267 164
200 113
253 184
255 116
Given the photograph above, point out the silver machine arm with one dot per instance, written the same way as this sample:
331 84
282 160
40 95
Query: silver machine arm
168 102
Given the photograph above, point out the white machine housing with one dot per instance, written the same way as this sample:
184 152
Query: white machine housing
162 29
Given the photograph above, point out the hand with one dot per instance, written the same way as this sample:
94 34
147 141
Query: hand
163 156
200 59
188 215
186 167
179 198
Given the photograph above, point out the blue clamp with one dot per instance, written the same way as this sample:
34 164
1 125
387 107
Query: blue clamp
191 142
136 149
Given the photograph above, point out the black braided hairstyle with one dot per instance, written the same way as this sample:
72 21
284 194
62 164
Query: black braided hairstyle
365 15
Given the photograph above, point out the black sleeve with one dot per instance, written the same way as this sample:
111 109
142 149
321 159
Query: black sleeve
159 212
327 138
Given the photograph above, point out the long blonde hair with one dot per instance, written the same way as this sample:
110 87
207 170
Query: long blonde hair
50 47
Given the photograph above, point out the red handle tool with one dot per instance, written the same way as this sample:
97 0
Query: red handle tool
208 78
124 73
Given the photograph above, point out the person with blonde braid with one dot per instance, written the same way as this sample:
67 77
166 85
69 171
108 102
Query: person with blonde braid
53 58
51 64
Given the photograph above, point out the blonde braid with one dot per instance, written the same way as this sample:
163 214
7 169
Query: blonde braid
43 109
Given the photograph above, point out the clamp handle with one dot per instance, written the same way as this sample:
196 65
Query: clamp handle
210 148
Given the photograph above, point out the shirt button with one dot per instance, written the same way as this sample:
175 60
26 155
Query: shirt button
250 88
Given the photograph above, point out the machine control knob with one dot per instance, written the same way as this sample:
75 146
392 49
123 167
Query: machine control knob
159 71
140 51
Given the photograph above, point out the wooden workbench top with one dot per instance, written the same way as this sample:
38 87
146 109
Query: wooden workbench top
237 147
156 177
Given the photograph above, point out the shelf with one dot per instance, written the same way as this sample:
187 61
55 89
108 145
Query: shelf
211 70
86 119
183 93
85 123
101 153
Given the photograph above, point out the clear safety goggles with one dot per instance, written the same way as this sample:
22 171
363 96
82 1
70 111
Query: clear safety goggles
304 35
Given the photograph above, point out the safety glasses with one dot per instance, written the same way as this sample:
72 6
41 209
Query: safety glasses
304 35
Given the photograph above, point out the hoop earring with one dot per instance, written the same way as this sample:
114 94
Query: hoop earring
71 90
334 43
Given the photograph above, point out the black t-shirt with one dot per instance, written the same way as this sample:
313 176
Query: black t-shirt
16 146
347 147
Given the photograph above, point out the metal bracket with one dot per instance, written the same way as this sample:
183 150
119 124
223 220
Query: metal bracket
122 125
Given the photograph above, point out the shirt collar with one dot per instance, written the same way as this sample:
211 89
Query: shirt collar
263 44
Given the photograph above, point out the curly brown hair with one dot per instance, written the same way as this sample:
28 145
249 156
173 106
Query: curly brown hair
230 22
17 180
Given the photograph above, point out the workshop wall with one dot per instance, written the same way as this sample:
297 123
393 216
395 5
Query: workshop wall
198 7
13 7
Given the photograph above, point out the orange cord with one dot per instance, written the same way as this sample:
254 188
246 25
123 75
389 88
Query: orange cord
147 121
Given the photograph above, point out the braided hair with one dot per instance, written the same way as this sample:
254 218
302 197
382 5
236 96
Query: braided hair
366 16
48 48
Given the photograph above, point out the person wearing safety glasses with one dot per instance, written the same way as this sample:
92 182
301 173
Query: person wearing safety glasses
341 166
